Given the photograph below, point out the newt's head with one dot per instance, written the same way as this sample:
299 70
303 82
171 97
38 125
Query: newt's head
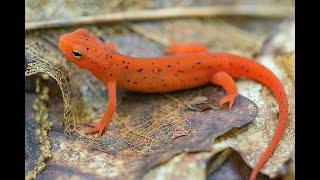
84 49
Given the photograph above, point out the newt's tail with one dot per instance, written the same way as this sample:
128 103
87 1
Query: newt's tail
282 100
260 73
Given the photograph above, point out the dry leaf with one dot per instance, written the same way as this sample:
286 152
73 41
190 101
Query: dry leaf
73 158
153 129
148 131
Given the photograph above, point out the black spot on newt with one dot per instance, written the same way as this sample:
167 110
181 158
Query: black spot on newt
139 70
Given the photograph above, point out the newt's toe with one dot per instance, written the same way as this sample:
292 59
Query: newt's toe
95 128
227 99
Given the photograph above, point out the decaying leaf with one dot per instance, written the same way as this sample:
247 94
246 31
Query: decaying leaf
41 117
152 129
151 135
41 66
148 130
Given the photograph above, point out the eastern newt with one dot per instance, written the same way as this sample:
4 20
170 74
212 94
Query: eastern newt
185 66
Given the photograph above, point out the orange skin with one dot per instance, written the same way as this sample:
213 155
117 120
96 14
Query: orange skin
186 66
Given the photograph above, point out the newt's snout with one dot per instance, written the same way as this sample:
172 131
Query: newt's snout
62 42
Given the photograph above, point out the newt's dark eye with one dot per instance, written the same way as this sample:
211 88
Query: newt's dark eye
76 54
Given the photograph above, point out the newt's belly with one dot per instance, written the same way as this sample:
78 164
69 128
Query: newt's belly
159 82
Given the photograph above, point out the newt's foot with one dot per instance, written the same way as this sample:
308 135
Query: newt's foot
227 99
95 128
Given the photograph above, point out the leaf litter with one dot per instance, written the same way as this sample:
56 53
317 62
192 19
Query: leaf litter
91 94
148 129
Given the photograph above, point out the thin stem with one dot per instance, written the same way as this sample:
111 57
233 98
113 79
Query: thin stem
242 10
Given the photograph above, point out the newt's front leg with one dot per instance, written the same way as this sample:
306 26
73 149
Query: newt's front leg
111 107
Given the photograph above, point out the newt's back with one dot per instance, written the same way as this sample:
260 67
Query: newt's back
165 74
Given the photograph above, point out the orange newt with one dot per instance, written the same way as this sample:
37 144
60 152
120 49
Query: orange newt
185 66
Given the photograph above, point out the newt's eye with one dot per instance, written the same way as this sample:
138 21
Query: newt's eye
76 54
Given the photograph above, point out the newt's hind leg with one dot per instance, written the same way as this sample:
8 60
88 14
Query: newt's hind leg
225 80
187 48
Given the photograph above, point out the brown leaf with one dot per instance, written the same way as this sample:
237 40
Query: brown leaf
152 129
138 152
147 130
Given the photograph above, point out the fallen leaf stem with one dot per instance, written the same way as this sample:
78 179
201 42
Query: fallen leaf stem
153 14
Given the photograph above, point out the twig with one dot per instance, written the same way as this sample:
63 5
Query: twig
152 36
242 10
